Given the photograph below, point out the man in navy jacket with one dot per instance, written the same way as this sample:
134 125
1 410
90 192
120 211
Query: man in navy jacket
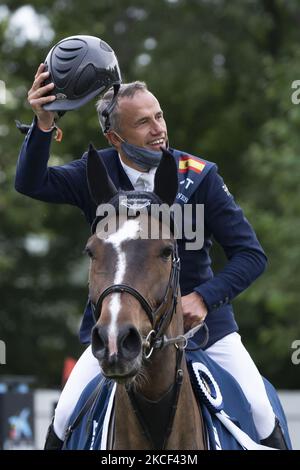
136 130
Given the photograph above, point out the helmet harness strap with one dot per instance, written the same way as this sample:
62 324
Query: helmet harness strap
109 109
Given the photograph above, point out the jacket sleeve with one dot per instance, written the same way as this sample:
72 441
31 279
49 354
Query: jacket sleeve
225 221
58 184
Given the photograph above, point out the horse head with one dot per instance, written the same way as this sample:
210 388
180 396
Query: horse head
133 279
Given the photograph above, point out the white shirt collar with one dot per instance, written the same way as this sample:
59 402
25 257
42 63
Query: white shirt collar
134 175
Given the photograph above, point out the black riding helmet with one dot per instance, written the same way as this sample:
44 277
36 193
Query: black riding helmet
81 67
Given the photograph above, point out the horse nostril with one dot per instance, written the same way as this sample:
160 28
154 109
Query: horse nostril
99 342
129 342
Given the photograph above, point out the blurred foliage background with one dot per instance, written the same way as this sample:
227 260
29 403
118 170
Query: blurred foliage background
223 72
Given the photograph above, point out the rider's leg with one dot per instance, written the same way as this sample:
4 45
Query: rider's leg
230 353
86 368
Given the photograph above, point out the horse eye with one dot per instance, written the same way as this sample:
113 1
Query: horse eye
166 252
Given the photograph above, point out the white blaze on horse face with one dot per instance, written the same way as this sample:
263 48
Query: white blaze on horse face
130 230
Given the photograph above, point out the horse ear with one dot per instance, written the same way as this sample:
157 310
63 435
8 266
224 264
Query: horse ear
101 187
166 178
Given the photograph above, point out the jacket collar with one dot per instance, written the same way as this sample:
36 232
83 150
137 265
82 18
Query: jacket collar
115 169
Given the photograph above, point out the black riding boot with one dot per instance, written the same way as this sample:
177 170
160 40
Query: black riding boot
276 438
52 441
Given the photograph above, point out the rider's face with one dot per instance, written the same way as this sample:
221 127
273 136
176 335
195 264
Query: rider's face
142 122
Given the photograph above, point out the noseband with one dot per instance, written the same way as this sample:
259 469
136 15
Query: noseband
155 338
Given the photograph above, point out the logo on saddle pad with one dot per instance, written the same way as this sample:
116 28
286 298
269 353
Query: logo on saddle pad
207 387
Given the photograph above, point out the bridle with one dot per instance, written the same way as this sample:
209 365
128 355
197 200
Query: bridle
156 338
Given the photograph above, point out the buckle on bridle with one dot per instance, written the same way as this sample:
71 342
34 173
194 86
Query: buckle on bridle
148 344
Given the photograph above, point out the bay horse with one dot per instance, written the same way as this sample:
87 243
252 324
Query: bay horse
139 340
138 336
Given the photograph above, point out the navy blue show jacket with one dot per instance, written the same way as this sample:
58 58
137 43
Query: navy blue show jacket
223 220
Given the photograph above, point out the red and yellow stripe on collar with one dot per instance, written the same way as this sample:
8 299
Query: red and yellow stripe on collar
188 162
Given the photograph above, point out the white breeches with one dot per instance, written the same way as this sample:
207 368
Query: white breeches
229 352
85 369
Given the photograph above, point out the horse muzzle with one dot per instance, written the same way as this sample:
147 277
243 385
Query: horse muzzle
120 354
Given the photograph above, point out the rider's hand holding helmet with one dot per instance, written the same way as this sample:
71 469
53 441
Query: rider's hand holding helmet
76 70
40 94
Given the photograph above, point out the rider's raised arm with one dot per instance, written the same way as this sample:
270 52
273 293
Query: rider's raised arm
34 178
58 184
